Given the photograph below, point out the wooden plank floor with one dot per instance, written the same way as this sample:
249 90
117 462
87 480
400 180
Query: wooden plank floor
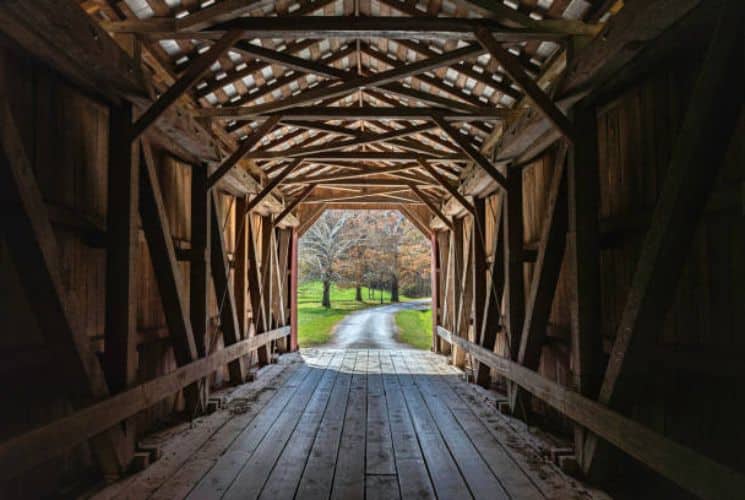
352 424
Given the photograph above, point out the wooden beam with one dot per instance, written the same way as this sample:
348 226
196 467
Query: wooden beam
467 148
514 68
122 231
273 183
344 27
322 127
243 149
354 155
33 244
167 273
23 452
305 113
446 184
311 219
374 80
188 79
705 134
545 277
199 258
240 265
291 206
479 266
255 291
463 257
293 290
229 323
514 288
434 208
493 301
331 146
693 472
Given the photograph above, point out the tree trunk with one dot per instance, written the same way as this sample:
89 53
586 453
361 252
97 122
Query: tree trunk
394 289
326 301
358 294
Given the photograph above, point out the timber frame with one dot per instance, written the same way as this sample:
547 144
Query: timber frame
436 113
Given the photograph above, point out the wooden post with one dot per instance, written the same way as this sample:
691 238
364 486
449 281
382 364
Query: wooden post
199 267
514 289
267 242
240 260
513 259
435 289
120 353
293 291
255 292
478 267
229 324
443 247
583 254
456 256
493 300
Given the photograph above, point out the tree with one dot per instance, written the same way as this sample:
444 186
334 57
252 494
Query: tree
322 247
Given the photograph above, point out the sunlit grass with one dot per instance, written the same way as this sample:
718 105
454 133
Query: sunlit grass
415 328
315 323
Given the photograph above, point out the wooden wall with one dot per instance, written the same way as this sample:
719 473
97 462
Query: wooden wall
690 390
66 137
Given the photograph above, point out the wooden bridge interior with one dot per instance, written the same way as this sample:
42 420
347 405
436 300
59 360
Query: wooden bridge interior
576 164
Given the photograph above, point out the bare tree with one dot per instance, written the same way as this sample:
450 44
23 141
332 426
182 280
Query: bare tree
323 245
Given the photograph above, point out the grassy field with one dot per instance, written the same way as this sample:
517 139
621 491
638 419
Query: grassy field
415 328
315 322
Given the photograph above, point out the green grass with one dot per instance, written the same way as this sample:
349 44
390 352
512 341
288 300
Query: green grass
415 328
315 323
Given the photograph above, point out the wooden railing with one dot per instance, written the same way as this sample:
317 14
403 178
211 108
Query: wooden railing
32 448
687 468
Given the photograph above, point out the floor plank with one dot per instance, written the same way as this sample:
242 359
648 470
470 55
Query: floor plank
286 474
413 477
514 479
318 475
311 394
379 448
355 424
217 481
480 479
446 477
349 477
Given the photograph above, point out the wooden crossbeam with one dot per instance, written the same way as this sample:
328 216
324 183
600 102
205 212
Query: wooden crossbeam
191 76
331 146
690 470
471 151
296 27
323 127
446 184
272 184
229 321
545 276
168 276
243 149
415 219
254 287
354 174
434 208
374 80
291 206
705 134
33 244
516 71
359 113
22 452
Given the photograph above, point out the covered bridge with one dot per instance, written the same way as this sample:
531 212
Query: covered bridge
576 164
